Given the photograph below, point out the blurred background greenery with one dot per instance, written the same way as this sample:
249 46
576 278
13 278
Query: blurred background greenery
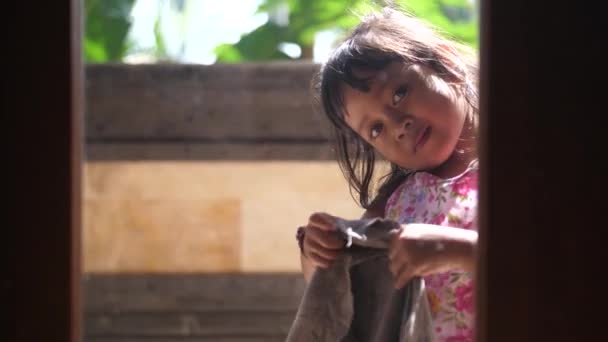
237 31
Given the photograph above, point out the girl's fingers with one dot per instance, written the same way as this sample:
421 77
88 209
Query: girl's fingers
397 263
395 248
322 221
318 260
328 254
395 267
393 253
405 274
327 240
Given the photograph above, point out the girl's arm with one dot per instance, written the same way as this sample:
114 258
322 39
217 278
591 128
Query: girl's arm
423 249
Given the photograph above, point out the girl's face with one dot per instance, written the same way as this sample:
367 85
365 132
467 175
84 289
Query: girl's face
410 116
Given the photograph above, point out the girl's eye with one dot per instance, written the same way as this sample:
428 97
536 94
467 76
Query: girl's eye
376 130
399 94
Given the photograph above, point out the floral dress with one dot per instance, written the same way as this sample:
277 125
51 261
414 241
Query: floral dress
425 198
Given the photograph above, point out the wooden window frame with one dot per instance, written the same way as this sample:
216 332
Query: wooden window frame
535 273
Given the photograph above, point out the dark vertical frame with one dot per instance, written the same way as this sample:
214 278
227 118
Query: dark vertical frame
542 189
43 119
540 205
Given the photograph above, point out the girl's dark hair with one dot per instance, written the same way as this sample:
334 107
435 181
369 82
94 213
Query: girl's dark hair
381 38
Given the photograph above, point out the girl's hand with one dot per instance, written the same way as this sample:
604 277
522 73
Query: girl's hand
322 242
420 249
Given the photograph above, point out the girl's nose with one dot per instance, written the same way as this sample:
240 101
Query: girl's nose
403 128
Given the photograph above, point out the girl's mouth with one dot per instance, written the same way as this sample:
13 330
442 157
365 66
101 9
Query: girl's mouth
422 138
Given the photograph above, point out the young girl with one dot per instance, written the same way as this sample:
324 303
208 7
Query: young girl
396 90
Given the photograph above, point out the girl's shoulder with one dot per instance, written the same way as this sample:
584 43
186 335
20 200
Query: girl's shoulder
417 184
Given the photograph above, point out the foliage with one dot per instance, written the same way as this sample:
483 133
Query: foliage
454 18
304 19
107 24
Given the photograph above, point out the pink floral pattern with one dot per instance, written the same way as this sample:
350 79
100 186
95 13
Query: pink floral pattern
464 297
425 198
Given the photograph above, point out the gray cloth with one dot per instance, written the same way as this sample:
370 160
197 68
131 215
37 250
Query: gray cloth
355 299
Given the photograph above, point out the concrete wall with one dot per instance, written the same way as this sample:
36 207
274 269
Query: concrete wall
204 168
201 216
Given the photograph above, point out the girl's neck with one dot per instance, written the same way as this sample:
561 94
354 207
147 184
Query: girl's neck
457 164
464 153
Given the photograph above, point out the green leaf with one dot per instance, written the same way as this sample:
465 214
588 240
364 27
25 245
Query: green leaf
94 51
227 53
258 45
107 23
159 40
